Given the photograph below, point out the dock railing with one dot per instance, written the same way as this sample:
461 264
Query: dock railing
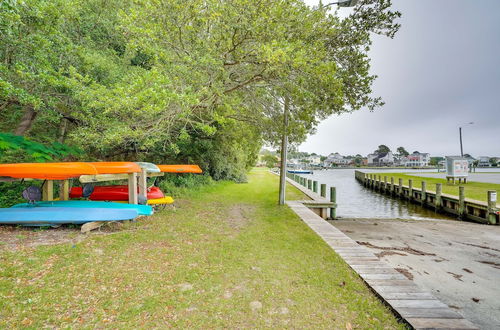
459 206
326 208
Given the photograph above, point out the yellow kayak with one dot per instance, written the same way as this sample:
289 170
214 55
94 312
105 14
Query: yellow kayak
161 201
156 201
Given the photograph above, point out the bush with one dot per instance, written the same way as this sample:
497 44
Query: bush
182 184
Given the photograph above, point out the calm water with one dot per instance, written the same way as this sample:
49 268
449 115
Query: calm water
356 201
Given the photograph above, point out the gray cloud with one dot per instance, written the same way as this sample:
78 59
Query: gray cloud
441 70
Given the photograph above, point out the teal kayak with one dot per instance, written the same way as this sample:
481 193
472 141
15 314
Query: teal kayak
50 216
140 209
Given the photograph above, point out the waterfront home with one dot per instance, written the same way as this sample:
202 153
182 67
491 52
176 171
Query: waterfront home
416 159
381 159
336 159
314 160
484 161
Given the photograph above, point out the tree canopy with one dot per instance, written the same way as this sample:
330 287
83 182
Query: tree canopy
382 149
201 81
402 152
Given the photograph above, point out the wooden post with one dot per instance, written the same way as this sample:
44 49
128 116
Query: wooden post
400 188
323 190
424 192
461 201
392 185
132 188
309 184
492 205
439 201
48 191
315 186
64 190
143 185
410 189
333 199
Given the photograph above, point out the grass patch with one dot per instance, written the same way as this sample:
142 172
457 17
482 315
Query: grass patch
227 257
473 190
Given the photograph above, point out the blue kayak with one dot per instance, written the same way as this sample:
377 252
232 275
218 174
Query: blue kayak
48 216
141 209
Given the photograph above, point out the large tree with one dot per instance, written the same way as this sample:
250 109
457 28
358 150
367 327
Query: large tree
402 152
172 80
382 149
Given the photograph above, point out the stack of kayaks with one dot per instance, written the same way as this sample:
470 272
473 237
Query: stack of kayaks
107 203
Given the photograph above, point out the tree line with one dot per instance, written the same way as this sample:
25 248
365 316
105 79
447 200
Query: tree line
199 81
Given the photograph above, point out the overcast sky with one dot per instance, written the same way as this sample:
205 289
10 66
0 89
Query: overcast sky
440 71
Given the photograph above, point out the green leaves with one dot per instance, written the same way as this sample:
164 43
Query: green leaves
37 151
174 80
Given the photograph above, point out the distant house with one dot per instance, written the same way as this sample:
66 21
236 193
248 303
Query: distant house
416 159
314 160
484 161
381 159
336 159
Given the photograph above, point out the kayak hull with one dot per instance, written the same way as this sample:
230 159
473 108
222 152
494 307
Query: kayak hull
180 168
141 209
113 193
161 201
47 171
48 216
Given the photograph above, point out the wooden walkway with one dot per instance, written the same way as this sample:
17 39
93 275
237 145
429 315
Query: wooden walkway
418 307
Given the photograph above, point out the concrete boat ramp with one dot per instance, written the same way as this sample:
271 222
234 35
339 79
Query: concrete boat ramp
421 305
458 262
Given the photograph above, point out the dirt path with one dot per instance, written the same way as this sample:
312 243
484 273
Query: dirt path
458 261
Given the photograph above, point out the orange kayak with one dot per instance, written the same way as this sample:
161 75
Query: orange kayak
180 168
116 167
47 171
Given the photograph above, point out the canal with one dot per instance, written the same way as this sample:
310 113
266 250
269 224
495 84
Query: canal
356 201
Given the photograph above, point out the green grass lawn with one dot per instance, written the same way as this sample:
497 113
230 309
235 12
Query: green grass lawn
228 256
473 190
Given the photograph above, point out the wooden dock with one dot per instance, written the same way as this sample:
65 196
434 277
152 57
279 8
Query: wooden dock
416 306
466 209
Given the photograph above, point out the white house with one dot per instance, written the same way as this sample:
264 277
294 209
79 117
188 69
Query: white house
484 161
336 159
381 159
416 159
314 160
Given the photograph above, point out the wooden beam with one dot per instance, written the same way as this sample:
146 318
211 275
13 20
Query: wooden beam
143 185
132 188
151 175
103 177
64 190
48 191
9 179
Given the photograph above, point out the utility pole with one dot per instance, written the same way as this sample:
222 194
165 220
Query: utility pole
460 133
284 147
461 147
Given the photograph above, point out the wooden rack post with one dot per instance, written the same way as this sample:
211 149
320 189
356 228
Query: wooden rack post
132 188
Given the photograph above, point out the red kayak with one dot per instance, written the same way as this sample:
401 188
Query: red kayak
113 193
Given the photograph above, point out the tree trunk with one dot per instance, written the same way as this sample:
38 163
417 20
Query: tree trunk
284 146
26 121
63 127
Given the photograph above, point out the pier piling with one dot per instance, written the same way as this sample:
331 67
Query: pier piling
461 201
333 199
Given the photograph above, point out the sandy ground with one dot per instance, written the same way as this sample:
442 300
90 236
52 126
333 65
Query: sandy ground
458 261
14 238
477 177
